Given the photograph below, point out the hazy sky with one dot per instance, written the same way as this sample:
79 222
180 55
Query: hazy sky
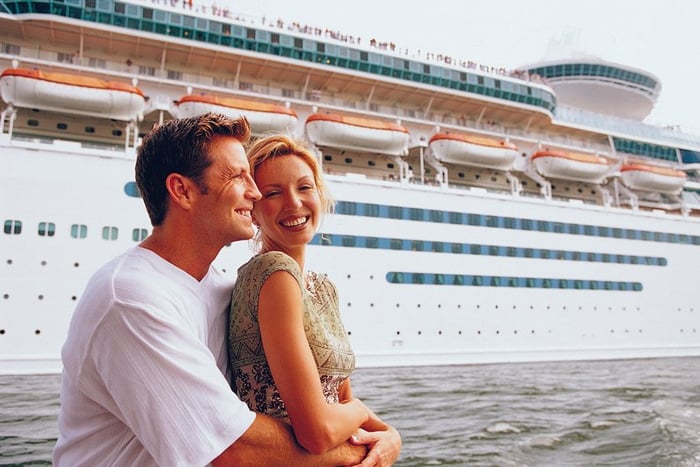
657 36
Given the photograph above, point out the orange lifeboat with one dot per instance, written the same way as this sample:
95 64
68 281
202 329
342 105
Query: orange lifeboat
357 133
263 117
571 165
76 94
645 177
477 151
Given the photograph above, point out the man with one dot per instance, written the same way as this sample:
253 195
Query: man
145 359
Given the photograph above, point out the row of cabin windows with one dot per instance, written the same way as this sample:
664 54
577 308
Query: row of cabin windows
32 122
352 241
78 231
352 208
399 277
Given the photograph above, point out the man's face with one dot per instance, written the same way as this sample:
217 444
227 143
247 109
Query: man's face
224 212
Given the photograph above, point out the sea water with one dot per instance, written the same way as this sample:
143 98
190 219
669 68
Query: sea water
612 413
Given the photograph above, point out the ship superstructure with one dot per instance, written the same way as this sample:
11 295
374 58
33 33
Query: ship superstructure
478 219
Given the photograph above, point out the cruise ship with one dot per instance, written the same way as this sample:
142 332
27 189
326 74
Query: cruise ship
483 215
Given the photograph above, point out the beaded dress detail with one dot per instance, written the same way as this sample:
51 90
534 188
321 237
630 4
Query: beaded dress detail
251 377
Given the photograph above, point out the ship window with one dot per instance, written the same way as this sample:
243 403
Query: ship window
139 234
327 158
394 277
78 231
417 245
32 122
418 278
89 129
147 12
132 190
110 233
47 229
371 163
438 247
348 240
348 160
90 3
415 214
436 216
457 248
372 242
395 212
11 49
13 227
455 217
372 210
347 207
475 219
116 132
62 126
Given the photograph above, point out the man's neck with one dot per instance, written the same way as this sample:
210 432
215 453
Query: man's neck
190 256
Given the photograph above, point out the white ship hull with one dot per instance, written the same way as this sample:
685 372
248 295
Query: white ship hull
390 324
436 261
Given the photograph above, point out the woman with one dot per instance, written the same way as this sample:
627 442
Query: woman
289 351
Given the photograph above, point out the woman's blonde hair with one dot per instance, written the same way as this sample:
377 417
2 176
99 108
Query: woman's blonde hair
283 145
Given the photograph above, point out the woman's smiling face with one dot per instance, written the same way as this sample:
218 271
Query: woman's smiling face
290 210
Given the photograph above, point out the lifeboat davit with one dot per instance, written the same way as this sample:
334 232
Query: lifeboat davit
357 133
478 151
571 165
263 117
645 177
76 94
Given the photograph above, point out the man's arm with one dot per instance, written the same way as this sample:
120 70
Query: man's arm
270 442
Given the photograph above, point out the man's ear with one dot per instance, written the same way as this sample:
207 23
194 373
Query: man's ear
180 190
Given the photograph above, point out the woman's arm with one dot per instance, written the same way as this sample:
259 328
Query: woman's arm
318 426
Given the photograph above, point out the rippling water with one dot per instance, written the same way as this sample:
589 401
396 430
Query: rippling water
626 413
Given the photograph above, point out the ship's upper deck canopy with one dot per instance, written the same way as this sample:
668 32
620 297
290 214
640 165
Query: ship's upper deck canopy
600 86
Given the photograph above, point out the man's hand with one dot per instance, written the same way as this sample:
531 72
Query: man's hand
384 446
